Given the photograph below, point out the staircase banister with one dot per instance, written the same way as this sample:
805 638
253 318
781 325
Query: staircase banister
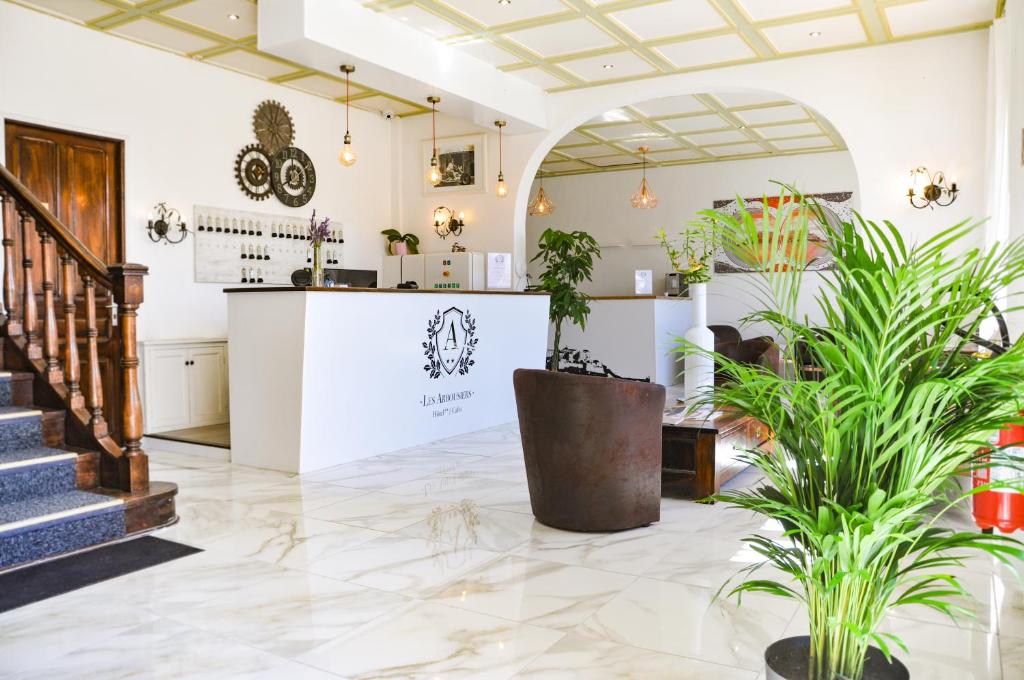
88 263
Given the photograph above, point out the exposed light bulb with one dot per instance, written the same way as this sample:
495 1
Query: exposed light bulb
434 174
502 190
347 157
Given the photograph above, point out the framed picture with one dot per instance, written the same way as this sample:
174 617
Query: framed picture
463 164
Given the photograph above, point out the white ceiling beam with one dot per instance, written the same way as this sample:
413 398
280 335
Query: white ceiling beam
398 59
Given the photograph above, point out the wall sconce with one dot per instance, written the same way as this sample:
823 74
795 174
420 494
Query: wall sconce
446 222
167 220
927 189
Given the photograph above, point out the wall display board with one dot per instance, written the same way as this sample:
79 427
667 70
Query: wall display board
240 246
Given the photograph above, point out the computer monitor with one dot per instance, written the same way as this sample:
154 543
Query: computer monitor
354 278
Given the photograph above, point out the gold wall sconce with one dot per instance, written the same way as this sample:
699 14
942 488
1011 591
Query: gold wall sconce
168 225
928 190
447 222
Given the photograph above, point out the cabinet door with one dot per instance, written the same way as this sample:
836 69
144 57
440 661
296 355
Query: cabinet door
208 385
167 389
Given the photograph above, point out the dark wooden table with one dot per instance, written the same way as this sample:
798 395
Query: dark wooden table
700 454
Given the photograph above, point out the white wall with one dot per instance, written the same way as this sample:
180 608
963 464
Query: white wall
599 204
489 219
897 106
183 123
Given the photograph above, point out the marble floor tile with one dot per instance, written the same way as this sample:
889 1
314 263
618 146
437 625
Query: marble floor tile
512 499
468 525
202 522
544 594
369 475
292 613
575 656
291 540
1008 602
157 650
1011 650
399 564
710 562
681 619
946 652
981 604
434 641
453 486
380 511
297 497
628 552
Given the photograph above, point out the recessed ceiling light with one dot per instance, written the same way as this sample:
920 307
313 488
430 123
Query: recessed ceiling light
504 3
233 17
815 34
607 67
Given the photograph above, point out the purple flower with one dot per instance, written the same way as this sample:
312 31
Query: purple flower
319 232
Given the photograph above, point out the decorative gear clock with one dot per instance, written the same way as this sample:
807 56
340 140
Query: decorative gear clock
252 170
292 176
273 126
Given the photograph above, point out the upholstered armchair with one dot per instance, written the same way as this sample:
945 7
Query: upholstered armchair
761 351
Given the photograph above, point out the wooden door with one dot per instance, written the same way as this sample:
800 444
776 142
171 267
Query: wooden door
81 179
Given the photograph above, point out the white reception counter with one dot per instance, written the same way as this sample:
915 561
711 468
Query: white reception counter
323 376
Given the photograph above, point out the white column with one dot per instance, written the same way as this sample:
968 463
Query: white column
699 368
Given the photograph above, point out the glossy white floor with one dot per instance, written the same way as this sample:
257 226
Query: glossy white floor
427 563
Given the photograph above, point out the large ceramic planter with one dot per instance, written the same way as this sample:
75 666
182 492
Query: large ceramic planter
787 659
592 448
698 369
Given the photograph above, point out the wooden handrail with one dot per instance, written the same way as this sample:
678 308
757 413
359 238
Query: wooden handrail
47 221
121 467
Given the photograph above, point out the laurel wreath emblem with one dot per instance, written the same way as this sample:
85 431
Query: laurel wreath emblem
433 366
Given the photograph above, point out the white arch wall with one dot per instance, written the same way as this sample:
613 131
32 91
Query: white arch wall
897 106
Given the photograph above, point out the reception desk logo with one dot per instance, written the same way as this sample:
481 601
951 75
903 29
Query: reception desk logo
450 343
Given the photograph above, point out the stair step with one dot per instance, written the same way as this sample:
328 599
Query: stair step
41 527
20 428
39 471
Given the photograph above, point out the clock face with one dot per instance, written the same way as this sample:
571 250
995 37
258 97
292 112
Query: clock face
252 170
292 177
273 127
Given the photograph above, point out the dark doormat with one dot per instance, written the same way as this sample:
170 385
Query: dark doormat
43 581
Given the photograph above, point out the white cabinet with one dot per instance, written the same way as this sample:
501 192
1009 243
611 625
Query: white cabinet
185 383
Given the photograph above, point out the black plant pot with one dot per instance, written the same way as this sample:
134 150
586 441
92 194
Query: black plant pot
788 659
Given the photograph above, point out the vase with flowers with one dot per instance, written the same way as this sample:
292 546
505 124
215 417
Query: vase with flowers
690 259
318 233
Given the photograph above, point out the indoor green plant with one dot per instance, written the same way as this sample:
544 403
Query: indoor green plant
691 262
401 244
568 258
867 456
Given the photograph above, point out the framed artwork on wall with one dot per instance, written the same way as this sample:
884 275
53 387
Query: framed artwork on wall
837 207
463 164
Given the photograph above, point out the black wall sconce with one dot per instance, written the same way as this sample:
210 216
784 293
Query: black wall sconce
933 189
446 222
167 220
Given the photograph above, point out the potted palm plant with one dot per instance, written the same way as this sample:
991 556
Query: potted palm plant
592 445
870 447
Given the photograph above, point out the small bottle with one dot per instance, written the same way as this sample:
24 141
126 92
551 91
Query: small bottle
243 251
273 230
234 225
289 234
266 252
218 229
244 279
252 275
252 229
200 227
259 253
259 228
251 255
259 276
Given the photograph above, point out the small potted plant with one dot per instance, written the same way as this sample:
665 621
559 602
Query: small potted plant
318 233
592 445
690 263
401 244
868 449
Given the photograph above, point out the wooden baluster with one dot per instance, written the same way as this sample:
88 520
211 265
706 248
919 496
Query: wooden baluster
133 468
12 326
28 299
51 345
72 367
93 380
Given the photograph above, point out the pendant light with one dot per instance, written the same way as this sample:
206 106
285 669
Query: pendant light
434 171
644 197
502 190
541 206
347 157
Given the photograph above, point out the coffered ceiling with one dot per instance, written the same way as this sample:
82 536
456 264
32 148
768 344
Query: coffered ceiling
218 32
568 44
689 129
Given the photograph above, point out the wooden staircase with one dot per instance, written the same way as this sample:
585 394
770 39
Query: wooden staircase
50 376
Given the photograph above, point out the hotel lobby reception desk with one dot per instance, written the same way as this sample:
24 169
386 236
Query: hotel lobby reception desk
323 376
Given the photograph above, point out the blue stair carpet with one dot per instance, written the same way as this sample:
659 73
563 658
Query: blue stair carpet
42 514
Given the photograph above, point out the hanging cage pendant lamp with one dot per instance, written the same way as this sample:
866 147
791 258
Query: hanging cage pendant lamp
644 198
347 157
541 205
502 188
434 171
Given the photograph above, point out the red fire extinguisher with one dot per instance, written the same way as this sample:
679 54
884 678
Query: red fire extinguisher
1002 508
